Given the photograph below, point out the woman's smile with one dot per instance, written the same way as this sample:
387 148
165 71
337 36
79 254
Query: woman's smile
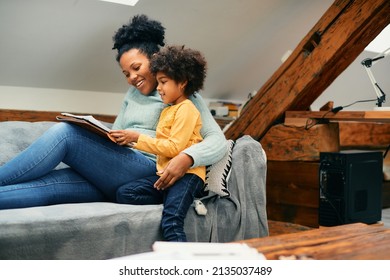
135 67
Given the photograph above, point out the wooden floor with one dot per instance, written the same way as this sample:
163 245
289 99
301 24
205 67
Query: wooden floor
276 227
386 217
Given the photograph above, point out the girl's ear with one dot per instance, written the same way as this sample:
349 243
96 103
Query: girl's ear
183 85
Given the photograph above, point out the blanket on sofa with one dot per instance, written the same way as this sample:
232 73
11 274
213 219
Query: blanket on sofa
108 230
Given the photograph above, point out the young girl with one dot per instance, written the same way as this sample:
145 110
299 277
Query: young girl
180 72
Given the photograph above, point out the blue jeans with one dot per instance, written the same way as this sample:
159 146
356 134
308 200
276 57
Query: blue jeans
177 199
97 168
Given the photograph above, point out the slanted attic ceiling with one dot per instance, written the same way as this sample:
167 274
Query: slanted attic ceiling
65 44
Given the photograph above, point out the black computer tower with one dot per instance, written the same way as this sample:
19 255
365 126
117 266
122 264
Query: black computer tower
350 187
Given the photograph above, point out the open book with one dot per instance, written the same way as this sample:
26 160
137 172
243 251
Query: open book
88 122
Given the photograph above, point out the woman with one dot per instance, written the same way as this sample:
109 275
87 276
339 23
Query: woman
98 167
180 73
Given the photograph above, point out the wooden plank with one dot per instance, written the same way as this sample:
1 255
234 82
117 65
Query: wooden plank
293 175
364 135
277 227
35 116
357 129
307 238
298 143
355 116
293 192
302 215
352 241
341 34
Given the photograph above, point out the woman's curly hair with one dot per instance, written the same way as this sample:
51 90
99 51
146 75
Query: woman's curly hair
140 33
181 64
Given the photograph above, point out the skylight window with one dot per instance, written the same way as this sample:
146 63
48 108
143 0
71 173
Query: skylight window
123 2
381 42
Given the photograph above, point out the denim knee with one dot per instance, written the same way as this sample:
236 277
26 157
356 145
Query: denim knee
125 195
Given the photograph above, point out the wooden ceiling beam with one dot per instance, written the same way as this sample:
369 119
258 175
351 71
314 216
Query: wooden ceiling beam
341 34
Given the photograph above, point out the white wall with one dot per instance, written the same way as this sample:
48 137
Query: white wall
352 85
44 99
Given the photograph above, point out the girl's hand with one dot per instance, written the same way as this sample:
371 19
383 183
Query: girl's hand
124 137
175 169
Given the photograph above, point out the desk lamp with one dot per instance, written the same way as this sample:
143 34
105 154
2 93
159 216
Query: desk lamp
367 63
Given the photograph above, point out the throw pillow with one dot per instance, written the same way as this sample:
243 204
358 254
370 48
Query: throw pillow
217 175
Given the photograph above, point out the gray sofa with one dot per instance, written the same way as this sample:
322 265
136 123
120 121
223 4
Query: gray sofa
108 230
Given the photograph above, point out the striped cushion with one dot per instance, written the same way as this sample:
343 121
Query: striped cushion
217 175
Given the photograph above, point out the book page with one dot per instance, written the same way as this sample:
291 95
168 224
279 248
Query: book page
88 118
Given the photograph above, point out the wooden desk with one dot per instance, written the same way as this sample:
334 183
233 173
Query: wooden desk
293 117
346 242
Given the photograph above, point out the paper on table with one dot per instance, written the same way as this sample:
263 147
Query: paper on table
199 251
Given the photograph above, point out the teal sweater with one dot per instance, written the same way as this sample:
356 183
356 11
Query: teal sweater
141 113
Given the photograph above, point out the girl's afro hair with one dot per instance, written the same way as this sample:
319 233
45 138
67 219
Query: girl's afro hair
181 64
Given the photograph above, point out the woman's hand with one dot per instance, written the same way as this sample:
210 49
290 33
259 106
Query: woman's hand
124 137
175 169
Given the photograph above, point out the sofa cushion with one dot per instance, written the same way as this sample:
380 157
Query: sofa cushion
17 136
95 230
